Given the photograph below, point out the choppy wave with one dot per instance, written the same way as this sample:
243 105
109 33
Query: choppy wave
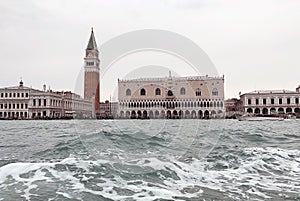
262 173
246 162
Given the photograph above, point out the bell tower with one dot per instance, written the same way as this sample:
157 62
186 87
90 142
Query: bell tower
91 73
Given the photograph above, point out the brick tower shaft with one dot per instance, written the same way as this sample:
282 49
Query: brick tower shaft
92 73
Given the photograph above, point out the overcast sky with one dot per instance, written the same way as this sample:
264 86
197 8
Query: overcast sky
255 43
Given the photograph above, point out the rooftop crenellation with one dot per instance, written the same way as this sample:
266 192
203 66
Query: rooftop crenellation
188 78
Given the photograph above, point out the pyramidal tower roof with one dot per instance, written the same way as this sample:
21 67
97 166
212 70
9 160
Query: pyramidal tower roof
92 45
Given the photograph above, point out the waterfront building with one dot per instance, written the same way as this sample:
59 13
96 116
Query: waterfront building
108 109
233 107
92 73
21 102
272 101
171 97
14 101
55 104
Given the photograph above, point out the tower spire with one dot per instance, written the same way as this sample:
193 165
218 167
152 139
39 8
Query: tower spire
92 45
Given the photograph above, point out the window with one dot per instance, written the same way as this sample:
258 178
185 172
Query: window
1 106
9 94
26 94
1 95
256 101
45 102
297 100
14 95
170 93
143 92
90 63
22 94
214 92
18 106
128 92
18 94
272 101
40 102
182 91
288 101
5 94
249 101
264 101
280 100
26 106
34 102
198 92
157 91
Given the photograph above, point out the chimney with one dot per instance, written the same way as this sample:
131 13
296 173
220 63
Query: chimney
298 89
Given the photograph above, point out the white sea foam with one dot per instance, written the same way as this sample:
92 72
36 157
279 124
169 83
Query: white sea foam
64 194
16 169
284 165
258 193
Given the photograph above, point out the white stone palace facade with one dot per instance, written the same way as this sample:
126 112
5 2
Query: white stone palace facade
171 97
14 101
58 104
21 102
271 101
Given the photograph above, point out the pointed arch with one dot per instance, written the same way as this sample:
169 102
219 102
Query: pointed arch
143 92
198 92
157 91
170 93
214 92
182 91
128 92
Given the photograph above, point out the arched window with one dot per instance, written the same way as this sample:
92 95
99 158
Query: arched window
214 92
182 91
128 92
143 92
198 92
170 93
157 91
